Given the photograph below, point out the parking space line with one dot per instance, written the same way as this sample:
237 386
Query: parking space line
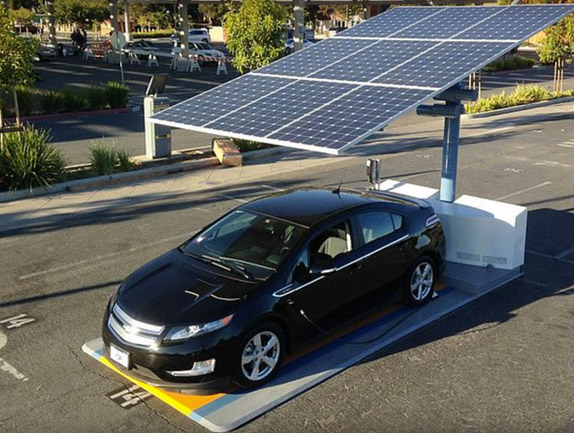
4 366
490 132
548 256
564 253
272 188
540 185
230 197
98 258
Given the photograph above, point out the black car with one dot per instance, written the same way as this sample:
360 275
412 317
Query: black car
266 280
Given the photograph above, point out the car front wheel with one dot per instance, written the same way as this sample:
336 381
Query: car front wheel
261 353
419 281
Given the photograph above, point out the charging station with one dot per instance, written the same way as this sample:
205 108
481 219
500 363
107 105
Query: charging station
485 238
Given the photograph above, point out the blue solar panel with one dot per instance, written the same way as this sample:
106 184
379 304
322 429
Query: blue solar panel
391 22
350 118
316 57
448 22
214 103
274 111
368 64
335 93
446 62
517 22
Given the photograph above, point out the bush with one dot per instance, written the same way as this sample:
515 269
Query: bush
26 97
103 158
51 101
523 94
97 97
117 94
246 145
28 160
74 100
124 160
510 64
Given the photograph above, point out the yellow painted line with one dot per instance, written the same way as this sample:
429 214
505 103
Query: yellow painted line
183 403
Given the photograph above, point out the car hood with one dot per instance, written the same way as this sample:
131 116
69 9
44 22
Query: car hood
175 290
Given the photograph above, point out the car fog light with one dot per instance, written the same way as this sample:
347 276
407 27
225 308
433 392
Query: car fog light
199 368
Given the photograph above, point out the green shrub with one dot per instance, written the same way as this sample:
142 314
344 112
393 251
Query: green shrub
510 64
124 160
97 97
74 100
246 145
26 98
51 101
117 94
28 160
103 158
528 93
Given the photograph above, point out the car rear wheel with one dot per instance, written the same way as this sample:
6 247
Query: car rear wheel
261 353
419 281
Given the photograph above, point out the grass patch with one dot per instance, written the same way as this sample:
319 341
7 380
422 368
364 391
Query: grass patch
155 34
51 101
246 145
523 94
510 64
117 94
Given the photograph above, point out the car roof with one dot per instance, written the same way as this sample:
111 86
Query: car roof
309 206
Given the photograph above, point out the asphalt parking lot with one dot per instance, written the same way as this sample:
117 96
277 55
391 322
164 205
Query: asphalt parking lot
502 364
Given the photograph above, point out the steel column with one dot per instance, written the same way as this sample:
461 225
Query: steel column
450 155
298 24
183 24
128 30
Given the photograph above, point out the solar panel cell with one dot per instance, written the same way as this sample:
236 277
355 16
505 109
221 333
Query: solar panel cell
273 112
446 62
368 64
212 104
349 118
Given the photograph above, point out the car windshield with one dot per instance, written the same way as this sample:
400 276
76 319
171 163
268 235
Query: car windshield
257 241
204 46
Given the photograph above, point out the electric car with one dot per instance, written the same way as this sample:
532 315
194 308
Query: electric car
266 280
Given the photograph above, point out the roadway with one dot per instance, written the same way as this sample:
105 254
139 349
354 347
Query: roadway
503 363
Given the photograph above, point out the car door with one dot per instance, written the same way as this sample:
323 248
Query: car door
384 246
322 295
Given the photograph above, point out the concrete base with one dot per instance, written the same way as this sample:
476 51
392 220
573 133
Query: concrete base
224 412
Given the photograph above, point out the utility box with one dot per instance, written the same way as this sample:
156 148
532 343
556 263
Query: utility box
157 137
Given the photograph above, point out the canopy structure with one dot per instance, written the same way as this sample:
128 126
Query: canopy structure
336 93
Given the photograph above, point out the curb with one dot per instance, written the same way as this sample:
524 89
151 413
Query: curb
517 108
130 176
57 116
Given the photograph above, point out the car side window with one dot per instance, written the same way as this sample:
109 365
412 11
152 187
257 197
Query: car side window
333 242
378 224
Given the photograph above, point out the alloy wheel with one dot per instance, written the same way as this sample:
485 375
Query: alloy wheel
260 356
422 280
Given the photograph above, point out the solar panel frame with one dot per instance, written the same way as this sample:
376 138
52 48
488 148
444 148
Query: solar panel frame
427 92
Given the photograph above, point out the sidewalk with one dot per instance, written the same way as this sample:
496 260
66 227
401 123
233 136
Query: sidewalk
46 210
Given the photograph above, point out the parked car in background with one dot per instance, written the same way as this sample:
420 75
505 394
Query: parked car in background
335 29
290 45
141 44
45 52
309 34
267 280
194 35
205 52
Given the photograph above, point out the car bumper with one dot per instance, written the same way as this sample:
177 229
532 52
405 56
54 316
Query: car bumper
151 366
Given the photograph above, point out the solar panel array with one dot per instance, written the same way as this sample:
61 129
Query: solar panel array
337 92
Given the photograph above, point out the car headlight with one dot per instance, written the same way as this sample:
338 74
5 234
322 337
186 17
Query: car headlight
185 332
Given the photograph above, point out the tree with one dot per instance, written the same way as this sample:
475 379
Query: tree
255 33
21 15
16 59
558 42
215 13
81 11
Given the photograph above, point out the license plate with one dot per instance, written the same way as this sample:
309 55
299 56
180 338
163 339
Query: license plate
119 356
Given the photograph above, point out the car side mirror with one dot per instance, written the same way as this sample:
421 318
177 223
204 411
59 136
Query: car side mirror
322 264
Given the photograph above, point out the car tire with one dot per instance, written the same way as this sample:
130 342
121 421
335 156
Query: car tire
419 281
205 41
254 364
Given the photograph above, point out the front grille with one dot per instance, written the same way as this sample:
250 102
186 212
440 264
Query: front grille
132 331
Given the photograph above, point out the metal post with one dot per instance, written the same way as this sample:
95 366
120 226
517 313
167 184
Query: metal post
183 25
114 15
298 24
450 156
53 40
127 20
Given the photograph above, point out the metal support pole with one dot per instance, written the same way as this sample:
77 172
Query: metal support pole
52 39
128 31
183 25
298 24
114 15
450 156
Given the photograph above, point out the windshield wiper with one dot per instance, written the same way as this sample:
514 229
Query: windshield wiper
229 266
